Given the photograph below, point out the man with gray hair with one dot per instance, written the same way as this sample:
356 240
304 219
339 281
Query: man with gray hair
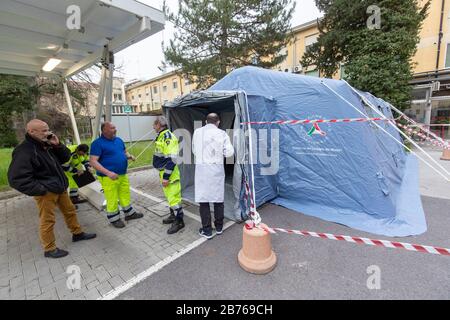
164 157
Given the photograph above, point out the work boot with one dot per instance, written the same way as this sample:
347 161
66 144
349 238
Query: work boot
176 226
83 236
57 253
77 199
118 224
170 219
134 216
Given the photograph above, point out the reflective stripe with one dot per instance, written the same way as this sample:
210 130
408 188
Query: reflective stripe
175 207
112 217
168 171
127 209
130 212
161 155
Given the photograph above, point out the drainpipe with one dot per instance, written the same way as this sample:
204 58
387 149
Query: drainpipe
441 34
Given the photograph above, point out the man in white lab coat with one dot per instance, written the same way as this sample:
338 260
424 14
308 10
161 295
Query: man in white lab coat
210 145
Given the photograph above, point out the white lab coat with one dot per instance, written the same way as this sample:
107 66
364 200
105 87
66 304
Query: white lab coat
210 145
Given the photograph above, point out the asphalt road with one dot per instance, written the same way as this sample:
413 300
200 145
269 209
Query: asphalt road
309 268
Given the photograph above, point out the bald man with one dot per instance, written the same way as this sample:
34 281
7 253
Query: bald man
110 158
36 170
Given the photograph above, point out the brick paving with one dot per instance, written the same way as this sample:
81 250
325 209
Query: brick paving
107 262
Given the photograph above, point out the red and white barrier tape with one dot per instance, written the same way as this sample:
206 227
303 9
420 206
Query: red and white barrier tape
308 121
431 140
367 241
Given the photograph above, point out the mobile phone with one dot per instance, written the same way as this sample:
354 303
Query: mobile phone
49 136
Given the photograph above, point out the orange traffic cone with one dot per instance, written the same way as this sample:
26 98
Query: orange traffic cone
256 255
446 154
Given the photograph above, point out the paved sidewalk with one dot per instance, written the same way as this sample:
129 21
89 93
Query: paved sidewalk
107 262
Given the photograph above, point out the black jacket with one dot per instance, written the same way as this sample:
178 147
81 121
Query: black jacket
36 169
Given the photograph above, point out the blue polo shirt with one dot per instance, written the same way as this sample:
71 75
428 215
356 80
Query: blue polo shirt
111 153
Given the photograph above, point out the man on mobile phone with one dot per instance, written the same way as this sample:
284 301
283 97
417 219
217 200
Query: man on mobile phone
36 170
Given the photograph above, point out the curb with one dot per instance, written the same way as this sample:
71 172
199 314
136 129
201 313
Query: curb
8 194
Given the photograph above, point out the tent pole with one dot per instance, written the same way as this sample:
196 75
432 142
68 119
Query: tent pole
256 216
71 114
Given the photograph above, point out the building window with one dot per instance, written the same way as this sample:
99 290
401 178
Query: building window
447 57
164 88
187 82
175 84
132 97
310 40
155 89
313 73
139 95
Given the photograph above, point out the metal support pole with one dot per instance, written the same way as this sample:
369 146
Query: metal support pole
71 114
428 109
109 87
101 96
129 128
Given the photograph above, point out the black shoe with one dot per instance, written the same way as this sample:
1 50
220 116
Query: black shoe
134 216
204 234
83 236
57 253
176 226
76 200
170 219
219 230
118 224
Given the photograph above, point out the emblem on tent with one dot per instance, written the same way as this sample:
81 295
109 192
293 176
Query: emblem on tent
316 130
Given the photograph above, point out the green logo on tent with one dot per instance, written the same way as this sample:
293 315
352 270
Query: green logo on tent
316 130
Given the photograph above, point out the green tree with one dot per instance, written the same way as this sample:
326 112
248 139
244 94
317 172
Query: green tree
377 53
214 37
17 94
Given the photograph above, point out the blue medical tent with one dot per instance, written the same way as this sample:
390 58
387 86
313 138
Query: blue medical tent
353 173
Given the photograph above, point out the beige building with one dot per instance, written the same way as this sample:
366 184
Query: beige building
148 96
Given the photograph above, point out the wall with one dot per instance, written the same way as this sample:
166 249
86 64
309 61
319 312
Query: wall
140 125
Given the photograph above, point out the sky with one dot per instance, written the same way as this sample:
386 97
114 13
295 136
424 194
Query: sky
141 60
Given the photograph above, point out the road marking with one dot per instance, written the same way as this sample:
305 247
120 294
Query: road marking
155 268
158 200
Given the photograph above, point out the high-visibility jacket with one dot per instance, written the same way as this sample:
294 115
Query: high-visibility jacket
165 155
76 162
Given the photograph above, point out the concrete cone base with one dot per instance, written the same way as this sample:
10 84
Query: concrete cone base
446 155
256 255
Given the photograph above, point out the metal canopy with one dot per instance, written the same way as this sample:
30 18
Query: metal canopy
32 32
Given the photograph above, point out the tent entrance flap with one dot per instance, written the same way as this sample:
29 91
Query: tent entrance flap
183 120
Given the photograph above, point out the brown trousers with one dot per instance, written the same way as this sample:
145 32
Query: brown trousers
46 205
